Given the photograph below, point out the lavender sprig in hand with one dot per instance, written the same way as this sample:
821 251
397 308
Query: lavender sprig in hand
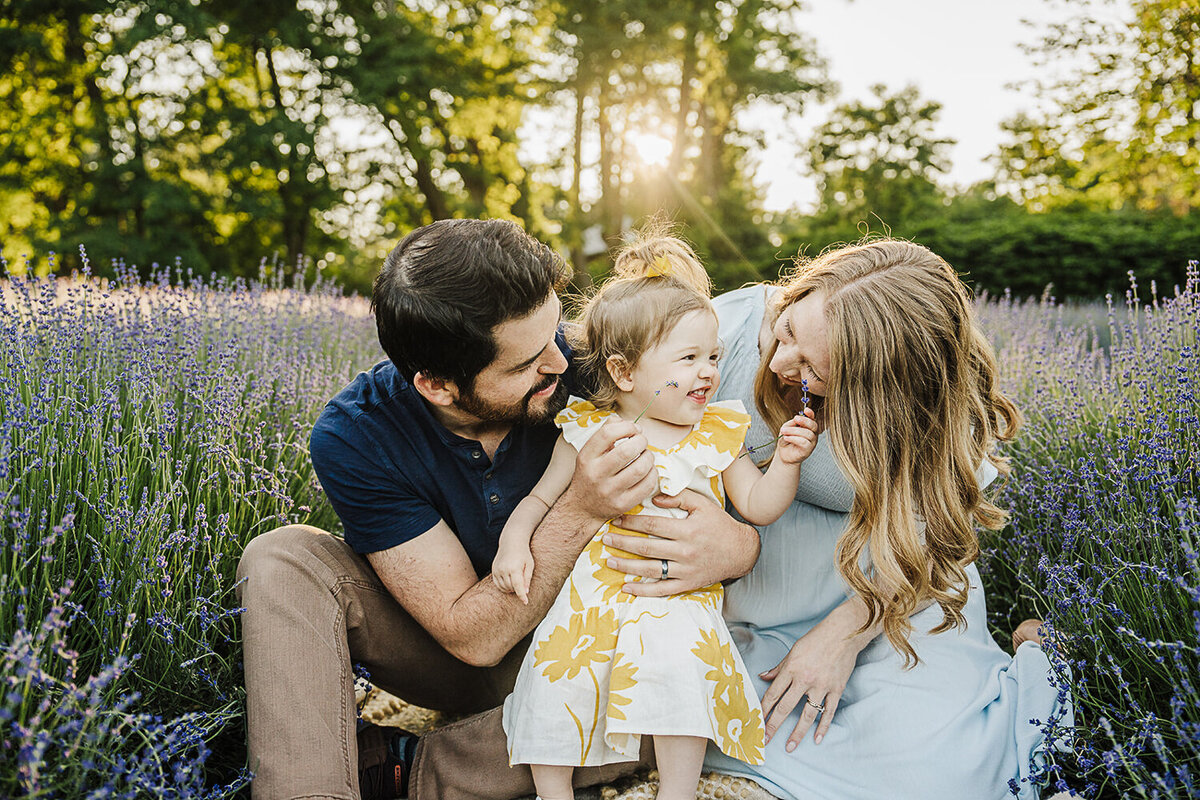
803 399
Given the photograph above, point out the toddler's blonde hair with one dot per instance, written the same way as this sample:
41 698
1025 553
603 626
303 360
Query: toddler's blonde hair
657 280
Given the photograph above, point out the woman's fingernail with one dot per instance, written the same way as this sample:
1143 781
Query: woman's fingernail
611 563
790 746
818 739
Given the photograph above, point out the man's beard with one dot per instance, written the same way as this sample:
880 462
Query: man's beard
519 413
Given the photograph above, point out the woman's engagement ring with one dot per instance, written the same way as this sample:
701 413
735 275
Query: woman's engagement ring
820 707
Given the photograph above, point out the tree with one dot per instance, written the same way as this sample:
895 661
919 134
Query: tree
682 73
1122 127
80 134
879 160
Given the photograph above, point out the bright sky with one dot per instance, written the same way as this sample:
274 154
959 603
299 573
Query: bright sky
961 53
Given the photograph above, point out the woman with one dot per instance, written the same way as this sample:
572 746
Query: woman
865 613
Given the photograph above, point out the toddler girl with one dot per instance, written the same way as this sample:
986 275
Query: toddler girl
607 667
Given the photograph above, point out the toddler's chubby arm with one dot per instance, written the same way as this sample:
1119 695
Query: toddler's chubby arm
761 498
512 569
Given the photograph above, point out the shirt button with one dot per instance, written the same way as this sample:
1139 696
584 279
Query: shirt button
476 454
495 498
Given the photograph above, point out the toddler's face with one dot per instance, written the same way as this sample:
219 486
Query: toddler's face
686 356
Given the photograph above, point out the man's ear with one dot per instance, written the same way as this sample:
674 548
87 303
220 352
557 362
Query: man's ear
439 391
621 373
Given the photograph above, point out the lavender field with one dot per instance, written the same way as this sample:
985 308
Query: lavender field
149 427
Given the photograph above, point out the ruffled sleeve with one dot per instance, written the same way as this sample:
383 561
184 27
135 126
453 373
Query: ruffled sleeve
579 421
710 448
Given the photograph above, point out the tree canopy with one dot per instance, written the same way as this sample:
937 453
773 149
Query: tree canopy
313 133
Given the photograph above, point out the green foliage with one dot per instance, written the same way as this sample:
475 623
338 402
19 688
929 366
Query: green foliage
1123 127
879 160
1078 252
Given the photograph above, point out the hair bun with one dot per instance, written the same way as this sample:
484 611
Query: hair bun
654 254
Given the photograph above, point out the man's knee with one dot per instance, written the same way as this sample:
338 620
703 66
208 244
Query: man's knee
269 557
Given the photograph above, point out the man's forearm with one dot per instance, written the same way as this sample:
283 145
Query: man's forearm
744 547
485 622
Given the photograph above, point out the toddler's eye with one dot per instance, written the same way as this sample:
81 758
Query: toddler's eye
689 357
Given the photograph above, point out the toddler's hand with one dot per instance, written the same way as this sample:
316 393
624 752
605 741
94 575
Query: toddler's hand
512 570
798 437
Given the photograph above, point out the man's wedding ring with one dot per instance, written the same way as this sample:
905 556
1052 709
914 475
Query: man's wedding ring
663 577
820 707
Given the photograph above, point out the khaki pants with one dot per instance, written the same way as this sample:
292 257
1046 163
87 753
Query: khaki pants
313 607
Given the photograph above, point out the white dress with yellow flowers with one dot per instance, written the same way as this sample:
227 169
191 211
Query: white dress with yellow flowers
606 667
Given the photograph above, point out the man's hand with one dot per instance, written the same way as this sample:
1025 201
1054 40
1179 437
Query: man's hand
613 472
706 547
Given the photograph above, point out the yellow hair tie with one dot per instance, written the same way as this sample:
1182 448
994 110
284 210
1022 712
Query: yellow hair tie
660 268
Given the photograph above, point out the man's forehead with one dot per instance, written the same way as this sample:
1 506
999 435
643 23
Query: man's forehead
521 340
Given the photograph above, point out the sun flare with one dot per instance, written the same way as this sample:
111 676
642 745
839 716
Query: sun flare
651 148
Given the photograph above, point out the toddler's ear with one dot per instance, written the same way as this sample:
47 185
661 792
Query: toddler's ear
621 373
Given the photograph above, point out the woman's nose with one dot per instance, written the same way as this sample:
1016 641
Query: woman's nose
779 361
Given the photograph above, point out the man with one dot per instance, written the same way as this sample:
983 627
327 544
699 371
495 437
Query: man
423 458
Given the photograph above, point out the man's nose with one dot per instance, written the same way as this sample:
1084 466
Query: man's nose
556 364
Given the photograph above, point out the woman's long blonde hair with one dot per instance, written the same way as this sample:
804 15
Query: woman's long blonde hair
657 280
912 409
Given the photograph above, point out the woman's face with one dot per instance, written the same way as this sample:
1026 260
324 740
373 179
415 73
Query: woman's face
803 351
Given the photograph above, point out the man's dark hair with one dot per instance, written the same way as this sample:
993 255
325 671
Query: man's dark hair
447 285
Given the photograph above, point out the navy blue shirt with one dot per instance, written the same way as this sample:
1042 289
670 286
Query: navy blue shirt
391 470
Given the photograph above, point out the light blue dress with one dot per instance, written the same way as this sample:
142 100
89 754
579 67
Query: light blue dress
958 725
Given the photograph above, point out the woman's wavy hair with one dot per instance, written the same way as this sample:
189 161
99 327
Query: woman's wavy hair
912 409
657 280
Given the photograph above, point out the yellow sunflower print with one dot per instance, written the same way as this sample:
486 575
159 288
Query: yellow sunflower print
588 637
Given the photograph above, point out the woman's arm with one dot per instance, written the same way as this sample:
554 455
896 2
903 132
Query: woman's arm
817 669
512 568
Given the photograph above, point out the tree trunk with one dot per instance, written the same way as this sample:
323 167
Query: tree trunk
296 212
685 104
580 277
435 199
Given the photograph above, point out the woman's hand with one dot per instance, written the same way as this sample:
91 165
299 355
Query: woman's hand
705 547
814 672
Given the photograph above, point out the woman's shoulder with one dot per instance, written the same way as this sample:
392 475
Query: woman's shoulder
741 309
740 313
